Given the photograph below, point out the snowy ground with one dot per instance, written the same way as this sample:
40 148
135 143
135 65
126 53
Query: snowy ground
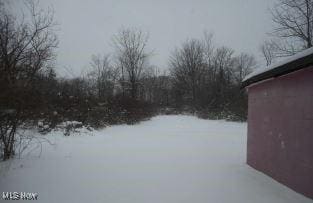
169 159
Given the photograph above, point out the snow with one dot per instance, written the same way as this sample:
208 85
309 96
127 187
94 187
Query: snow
40 123
287 60
66 123
169 159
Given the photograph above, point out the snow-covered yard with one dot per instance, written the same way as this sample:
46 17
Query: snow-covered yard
169 159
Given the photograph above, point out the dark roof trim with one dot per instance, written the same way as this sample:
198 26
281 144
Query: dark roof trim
292 66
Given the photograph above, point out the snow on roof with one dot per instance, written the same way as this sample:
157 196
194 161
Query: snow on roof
295 57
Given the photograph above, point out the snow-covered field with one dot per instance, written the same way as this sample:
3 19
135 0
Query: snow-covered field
169 159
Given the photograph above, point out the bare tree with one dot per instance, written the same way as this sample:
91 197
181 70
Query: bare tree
150 84
222 72
208 47
268 51
244 64
132 56
104 76
236 98
294 26
25 49
223 63
187 67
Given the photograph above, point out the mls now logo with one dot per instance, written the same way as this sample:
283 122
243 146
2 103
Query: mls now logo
19 196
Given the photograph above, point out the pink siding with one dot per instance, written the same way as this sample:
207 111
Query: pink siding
280 129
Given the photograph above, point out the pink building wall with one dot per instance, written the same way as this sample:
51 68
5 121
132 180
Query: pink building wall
280 129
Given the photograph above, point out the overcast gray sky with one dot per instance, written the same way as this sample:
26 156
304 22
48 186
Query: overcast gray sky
86 27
